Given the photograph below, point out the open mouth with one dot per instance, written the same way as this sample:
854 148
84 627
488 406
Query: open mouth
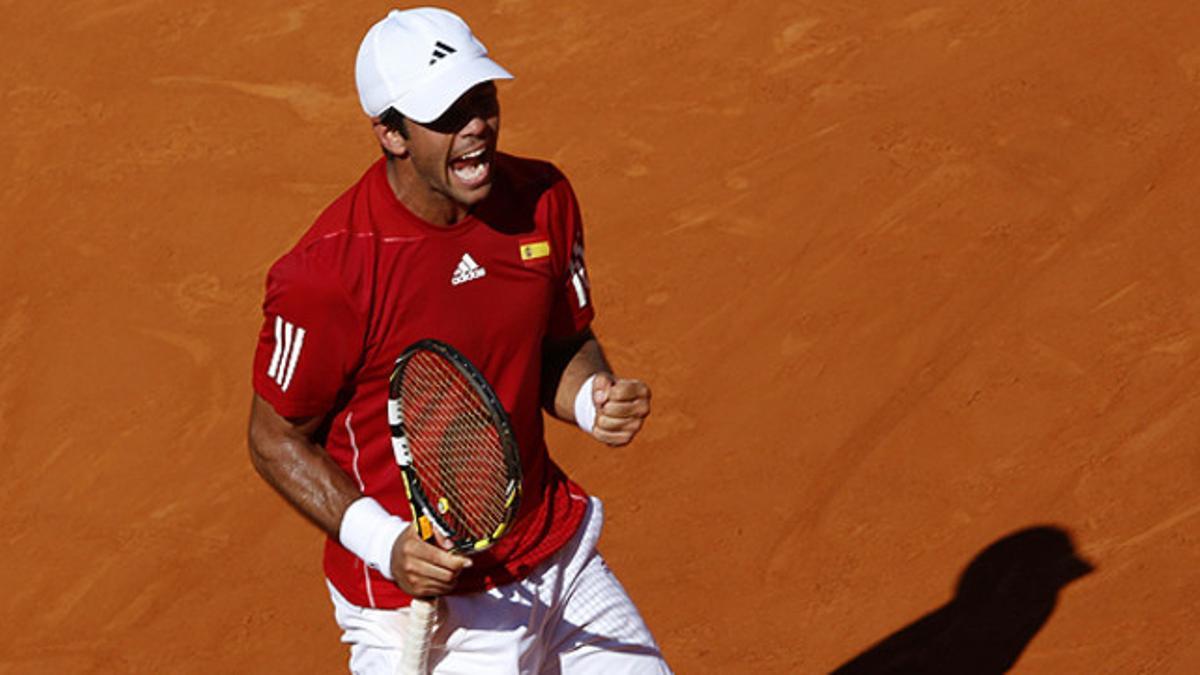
472 168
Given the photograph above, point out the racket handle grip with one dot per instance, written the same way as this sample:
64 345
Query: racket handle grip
417 637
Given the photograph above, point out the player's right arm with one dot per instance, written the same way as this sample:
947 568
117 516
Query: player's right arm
308 350
284 454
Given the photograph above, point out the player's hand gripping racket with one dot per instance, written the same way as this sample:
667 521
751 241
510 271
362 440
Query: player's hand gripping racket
459 460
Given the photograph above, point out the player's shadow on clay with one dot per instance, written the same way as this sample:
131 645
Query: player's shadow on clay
1003 599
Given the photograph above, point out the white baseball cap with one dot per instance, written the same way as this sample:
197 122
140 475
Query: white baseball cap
420 61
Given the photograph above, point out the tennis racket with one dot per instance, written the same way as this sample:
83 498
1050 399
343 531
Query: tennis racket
459 460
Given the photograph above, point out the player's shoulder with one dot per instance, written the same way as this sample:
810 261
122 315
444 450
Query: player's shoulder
319 257
348 216
337 247
349 219
529 176
308 268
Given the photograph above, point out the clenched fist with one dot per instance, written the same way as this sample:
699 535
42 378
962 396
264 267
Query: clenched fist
621 408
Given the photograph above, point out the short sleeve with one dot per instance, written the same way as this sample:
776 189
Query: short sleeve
310 342
572 310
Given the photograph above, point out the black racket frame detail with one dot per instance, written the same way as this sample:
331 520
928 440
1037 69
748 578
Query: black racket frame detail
422 505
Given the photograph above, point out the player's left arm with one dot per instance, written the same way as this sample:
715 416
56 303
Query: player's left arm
621 404
578 384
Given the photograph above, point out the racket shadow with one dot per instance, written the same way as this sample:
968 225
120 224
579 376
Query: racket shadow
1003 598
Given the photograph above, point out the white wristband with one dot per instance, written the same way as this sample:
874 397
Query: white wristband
585 407
370 532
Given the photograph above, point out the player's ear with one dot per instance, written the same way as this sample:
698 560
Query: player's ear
391 140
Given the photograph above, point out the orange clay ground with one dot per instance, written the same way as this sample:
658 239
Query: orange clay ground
907 281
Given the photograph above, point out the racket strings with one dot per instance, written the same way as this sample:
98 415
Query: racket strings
458 453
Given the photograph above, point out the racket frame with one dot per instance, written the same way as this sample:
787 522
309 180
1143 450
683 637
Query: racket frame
425 513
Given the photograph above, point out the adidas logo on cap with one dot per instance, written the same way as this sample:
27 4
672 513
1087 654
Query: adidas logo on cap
440 51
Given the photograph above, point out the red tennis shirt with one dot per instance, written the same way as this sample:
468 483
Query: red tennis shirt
370 278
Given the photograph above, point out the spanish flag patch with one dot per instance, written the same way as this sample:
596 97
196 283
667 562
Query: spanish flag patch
534 250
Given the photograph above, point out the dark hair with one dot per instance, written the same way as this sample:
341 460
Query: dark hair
394 120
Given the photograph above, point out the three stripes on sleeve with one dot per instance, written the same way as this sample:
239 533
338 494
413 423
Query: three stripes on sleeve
289 340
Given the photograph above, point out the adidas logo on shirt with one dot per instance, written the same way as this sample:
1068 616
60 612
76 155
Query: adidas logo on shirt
289 340
468 270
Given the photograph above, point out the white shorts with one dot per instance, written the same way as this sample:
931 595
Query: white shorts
570 615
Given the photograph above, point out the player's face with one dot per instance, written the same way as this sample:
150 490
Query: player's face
454 156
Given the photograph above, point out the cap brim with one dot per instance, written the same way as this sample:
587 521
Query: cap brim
427 102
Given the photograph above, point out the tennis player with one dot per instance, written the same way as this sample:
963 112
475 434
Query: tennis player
446 237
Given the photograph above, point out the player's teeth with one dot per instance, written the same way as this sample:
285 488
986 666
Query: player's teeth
470 173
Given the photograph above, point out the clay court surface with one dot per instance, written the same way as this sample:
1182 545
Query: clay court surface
907 281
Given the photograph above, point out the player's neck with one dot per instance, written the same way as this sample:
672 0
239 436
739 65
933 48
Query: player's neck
419 197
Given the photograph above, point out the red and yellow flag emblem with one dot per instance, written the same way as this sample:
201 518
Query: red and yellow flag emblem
535 250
